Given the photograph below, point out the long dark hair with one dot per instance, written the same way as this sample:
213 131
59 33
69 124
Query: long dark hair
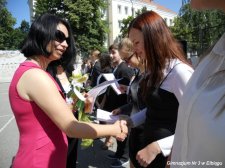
43 31
160 47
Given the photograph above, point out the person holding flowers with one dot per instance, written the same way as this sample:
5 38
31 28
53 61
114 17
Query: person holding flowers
61 70
41 112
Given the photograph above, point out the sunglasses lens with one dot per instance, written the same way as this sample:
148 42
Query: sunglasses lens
60 37
68 40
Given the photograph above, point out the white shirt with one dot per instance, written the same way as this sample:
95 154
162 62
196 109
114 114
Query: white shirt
200 127
175 83
67 88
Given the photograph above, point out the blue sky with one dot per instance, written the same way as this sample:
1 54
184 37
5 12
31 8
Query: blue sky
20 8
174 5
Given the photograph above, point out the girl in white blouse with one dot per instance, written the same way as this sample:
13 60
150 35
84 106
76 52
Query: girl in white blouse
166 75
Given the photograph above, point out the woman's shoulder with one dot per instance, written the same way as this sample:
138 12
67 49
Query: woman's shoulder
180 67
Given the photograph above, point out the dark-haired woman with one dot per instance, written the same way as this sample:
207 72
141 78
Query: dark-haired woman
61 70
166 75
42 114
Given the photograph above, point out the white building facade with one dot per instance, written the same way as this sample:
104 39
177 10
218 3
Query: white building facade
121 9
31 4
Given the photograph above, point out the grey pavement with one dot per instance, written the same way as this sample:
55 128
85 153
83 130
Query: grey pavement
92 157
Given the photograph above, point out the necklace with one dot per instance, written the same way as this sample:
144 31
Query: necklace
41 62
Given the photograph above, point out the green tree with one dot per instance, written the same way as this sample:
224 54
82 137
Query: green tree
88 26
6 26
53 6
199 29
2 4
126 22
19 34
10 38
85 17
24 26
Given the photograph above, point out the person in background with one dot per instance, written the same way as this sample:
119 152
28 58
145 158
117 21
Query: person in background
61 70
166 74
96 68
125 73
85 66
41 112
106 67
135 102
199 132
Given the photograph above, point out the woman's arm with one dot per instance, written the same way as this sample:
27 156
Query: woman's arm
35 85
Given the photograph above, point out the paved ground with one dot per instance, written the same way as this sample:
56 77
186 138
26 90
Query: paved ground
92 157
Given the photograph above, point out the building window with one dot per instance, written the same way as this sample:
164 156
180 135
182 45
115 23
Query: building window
119 8
126 10
132 11
171 22
119 23
165 19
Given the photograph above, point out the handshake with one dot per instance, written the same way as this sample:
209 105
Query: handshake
122 122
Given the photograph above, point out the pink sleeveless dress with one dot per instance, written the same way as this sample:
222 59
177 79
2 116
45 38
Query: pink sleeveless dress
41 144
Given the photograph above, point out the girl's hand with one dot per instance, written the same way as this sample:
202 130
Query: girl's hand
148 154
116 111
121 126
88 103
123 88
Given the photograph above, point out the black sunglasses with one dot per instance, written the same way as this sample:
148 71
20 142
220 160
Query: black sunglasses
128 58
60 37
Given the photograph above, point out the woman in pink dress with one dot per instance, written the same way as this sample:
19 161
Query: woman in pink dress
42 115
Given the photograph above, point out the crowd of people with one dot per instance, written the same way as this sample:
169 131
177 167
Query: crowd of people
180 110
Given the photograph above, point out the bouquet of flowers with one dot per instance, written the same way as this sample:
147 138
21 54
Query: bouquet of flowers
78 81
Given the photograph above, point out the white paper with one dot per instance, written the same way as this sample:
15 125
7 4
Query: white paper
106 116
137 119
97 90
115 85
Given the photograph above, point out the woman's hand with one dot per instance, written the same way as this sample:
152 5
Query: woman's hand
148 154
121 126
88 103
123 88
127 118
116 111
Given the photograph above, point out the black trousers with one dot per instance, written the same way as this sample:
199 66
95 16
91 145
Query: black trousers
122 150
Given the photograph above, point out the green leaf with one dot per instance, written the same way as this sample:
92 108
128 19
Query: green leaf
85 143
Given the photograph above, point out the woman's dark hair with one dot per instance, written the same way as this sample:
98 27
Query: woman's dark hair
105 62
114 46
160 47
43 31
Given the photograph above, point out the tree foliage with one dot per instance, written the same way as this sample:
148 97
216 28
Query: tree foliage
10 38
6 26
199 29
85 17
126 22
54 7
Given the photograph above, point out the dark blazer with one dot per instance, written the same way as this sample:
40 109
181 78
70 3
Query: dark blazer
95 72
113 100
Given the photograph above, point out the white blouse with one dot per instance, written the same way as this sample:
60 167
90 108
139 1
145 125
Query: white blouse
175 83
199 136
